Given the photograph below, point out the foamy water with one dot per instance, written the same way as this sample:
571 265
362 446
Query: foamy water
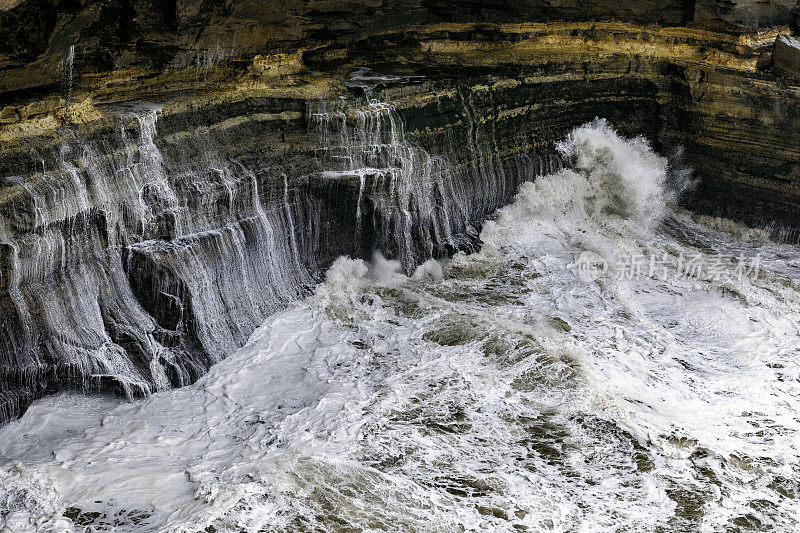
497 391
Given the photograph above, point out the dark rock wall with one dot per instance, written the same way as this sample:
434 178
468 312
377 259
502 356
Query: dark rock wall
140 251
36 34
740 135
138 247
743 15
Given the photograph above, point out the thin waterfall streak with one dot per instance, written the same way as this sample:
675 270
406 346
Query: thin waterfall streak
139 293
162 261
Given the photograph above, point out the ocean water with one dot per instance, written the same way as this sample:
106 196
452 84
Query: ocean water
605 362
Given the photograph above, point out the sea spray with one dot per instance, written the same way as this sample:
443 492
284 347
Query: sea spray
504 394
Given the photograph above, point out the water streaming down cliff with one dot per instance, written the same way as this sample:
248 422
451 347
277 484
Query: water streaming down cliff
117 276
133 263
400 187
500 391
412 205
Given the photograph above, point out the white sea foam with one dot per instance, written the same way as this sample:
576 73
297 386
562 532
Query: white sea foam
493 392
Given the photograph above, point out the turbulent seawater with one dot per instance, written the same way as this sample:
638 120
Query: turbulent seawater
509 389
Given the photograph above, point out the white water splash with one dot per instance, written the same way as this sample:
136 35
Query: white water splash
498 392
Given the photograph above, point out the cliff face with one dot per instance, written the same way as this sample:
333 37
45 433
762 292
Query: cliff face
142 242
150 36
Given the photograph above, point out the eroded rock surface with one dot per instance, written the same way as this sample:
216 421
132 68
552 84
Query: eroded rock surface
142 242
786 55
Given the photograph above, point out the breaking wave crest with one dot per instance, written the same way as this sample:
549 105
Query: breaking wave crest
497 390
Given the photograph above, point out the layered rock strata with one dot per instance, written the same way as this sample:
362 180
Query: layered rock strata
169 183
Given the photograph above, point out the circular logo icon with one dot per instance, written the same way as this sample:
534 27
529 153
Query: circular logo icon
591 266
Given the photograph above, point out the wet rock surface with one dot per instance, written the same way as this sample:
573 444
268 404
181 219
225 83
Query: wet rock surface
140 243
786 55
